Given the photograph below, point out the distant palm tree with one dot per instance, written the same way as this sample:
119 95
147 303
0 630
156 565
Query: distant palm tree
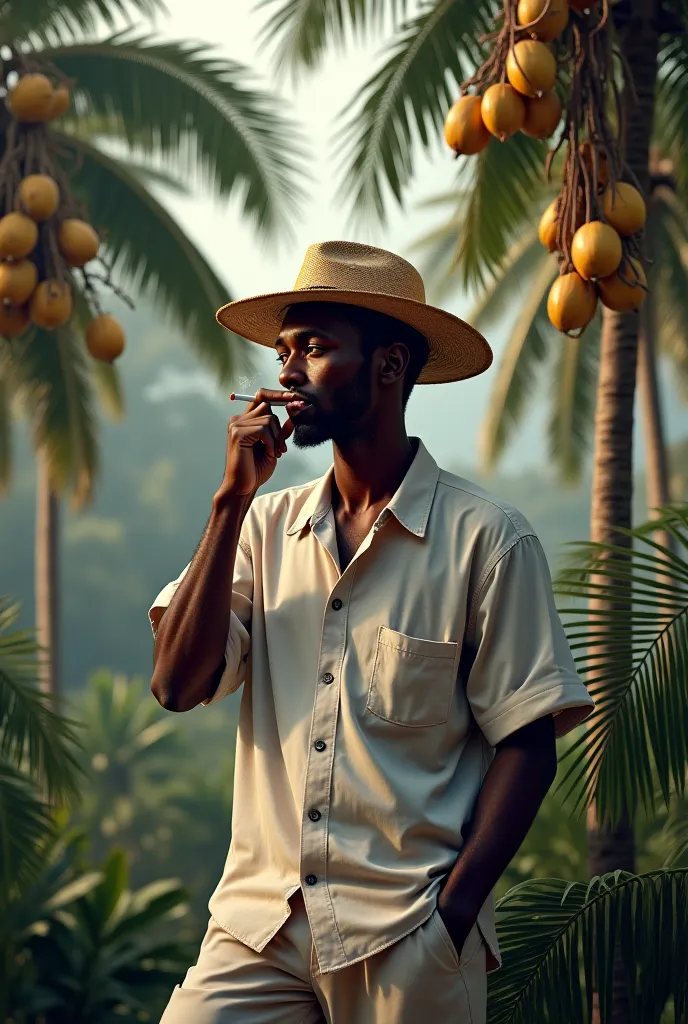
144 114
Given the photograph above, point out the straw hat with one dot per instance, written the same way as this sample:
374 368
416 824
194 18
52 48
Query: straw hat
359 275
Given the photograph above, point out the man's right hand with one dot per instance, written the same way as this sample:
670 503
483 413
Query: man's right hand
255 441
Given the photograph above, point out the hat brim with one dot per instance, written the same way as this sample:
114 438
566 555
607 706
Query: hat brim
457 350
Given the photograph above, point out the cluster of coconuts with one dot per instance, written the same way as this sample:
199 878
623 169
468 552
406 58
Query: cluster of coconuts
24 299
596 251
526 102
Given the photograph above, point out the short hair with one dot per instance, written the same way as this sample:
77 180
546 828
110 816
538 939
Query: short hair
379 330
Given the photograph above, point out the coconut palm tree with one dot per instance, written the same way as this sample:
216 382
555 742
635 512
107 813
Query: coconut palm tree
145 114
534 348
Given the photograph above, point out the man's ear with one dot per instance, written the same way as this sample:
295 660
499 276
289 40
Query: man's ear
394 363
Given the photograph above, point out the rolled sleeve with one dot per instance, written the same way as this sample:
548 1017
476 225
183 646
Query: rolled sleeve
238 647
523 668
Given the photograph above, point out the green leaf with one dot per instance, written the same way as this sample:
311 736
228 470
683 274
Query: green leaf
57 392
407 100
47 20
202 115
558 941
303 29
24 820
152 254
526 351
637 737
573 395
32 734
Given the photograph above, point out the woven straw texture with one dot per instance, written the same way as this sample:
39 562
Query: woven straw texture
361 275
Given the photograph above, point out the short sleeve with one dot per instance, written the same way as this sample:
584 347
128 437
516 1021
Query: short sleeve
238 645
523 668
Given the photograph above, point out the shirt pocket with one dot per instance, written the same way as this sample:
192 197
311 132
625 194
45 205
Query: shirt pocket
412 681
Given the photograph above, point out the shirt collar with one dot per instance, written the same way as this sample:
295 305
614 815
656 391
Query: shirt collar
410 505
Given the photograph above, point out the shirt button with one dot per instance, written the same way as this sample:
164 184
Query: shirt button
311 879
328 678
314 815
336 604
320 745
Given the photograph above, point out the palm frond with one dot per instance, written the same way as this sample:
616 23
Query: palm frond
196 111
56 390
572 397
407 100
559 940
153 255
302 30
105 376
672 104
667 234
49 20
24 821
633 654
527 349
32 734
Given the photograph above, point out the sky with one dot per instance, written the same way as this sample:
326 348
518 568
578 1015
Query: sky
446 416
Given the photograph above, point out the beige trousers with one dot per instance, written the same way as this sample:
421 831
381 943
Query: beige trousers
418 979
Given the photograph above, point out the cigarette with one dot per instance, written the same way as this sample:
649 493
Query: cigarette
236 397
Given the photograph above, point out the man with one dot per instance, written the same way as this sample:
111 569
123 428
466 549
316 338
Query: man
405 673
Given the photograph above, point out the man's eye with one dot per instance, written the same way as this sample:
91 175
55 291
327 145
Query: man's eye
315 348
281 358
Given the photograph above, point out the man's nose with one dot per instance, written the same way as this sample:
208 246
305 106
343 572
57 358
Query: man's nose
292 374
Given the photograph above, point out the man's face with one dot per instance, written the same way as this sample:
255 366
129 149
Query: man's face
323 361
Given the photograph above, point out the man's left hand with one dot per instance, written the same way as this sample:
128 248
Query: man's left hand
457 924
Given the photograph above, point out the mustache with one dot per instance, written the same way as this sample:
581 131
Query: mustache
303 395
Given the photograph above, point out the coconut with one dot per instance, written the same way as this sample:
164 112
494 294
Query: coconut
596 250
464 129
548 27
18 236
502 110
549 225
624 208
60 103
571 303
543 114
17 281
38 196
31 99
531 67
78 242
13 320
618 294
105 338
51 304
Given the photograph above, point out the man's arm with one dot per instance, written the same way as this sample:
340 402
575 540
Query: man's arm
520 775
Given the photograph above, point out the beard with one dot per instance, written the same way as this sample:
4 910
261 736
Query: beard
340 424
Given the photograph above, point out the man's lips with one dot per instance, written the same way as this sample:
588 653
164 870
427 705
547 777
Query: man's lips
297 405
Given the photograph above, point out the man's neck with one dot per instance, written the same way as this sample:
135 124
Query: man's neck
368 471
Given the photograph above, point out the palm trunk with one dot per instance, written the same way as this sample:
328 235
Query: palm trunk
47 579
611 847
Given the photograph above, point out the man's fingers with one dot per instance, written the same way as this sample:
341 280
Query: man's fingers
265 395
287 428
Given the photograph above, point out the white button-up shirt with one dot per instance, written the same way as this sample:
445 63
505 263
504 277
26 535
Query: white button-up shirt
373 700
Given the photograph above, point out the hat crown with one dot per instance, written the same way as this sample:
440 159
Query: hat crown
351 266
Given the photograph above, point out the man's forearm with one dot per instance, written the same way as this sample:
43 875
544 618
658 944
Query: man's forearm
520 775
191 638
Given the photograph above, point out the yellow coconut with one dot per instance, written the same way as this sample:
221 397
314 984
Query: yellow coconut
38 196
60 103
596 250
51 304
571 303
78 242
624 208
13 320
531 67
543 114
18 280
464 129
548 27
618 294
105 338
503 110
31 99
18 236
548 227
